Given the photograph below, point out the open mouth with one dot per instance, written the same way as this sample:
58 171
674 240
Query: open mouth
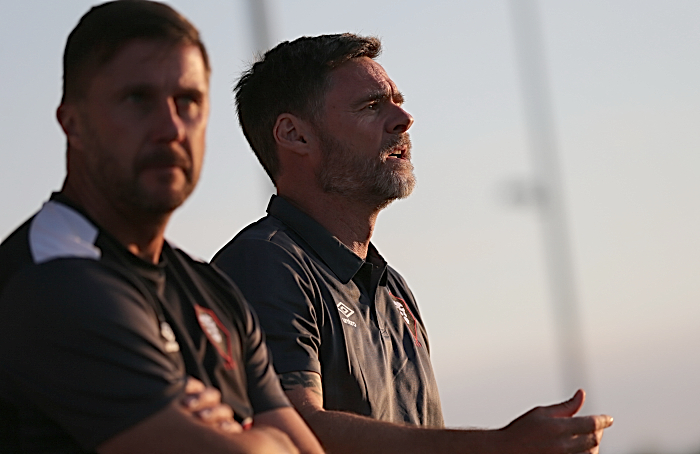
398 148
398 154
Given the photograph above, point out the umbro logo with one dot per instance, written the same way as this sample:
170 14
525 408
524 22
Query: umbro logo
171 345
346 311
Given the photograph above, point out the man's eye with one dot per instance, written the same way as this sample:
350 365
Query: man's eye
187 105
373 105
136 97
184 101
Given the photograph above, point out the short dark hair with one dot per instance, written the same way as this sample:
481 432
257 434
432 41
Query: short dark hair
106 28
292 78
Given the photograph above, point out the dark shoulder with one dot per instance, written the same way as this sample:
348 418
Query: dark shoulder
396 278
398 286
14 253
55 231
262 229
265 241
68 281
267 229
67 298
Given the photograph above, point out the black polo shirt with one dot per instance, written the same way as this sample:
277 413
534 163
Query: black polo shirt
326 310
93 339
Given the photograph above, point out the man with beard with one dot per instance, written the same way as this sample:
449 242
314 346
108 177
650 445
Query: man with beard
101 320
349 345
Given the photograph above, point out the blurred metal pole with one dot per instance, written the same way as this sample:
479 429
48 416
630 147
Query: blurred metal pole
262 42
549 197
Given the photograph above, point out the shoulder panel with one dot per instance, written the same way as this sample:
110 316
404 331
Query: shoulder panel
58 231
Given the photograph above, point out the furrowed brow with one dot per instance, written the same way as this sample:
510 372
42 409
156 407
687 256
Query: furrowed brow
194 93
384 95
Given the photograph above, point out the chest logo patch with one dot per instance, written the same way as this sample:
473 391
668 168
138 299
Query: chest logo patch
347 312
217 334
408 317
171 345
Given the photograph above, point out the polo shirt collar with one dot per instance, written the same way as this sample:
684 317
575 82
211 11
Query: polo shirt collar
342 261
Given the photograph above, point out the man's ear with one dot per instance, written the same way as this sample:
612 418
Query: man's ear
68 117
292 133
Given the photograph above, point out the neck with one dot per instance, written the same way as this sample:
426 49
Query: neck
349 221
141 233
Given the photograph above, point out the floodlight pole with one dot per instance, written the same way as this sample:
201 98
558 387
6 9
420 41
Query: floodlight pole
549 191
260 25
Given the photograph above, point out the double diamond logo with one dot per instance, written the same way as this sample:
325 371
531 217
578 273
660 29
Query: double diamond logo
347 312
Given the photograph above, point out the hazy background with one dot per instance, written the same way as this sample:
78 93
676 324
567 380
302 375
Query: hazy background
625 89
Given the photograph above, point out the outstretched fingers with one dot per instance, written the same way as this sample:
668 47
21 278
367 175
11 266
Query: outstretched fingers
584 444
554 429
589 424
586 433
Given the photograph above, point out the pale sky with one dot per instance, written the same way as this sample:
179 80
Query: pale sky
626 100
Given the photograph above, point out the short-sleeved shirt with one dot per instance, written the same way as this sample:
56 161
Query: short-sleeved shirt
326 310
94 340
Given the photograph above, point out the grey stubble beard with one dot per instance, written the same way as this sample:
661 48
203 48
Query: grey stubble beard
370 181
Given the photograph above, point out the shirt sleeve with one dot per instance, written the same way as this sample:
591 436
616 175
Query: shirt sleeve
264 389
278 286
83 346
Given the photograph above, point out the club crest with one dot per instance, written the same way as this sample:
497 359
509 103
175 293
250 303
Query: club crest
217 334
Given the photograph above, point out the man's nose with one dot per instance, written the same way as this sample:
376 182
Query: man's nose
170 127
400 121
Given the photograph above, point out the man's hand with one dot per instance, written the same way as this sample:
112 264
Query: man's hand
555 430
543 430
177 429
205 403
282 430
